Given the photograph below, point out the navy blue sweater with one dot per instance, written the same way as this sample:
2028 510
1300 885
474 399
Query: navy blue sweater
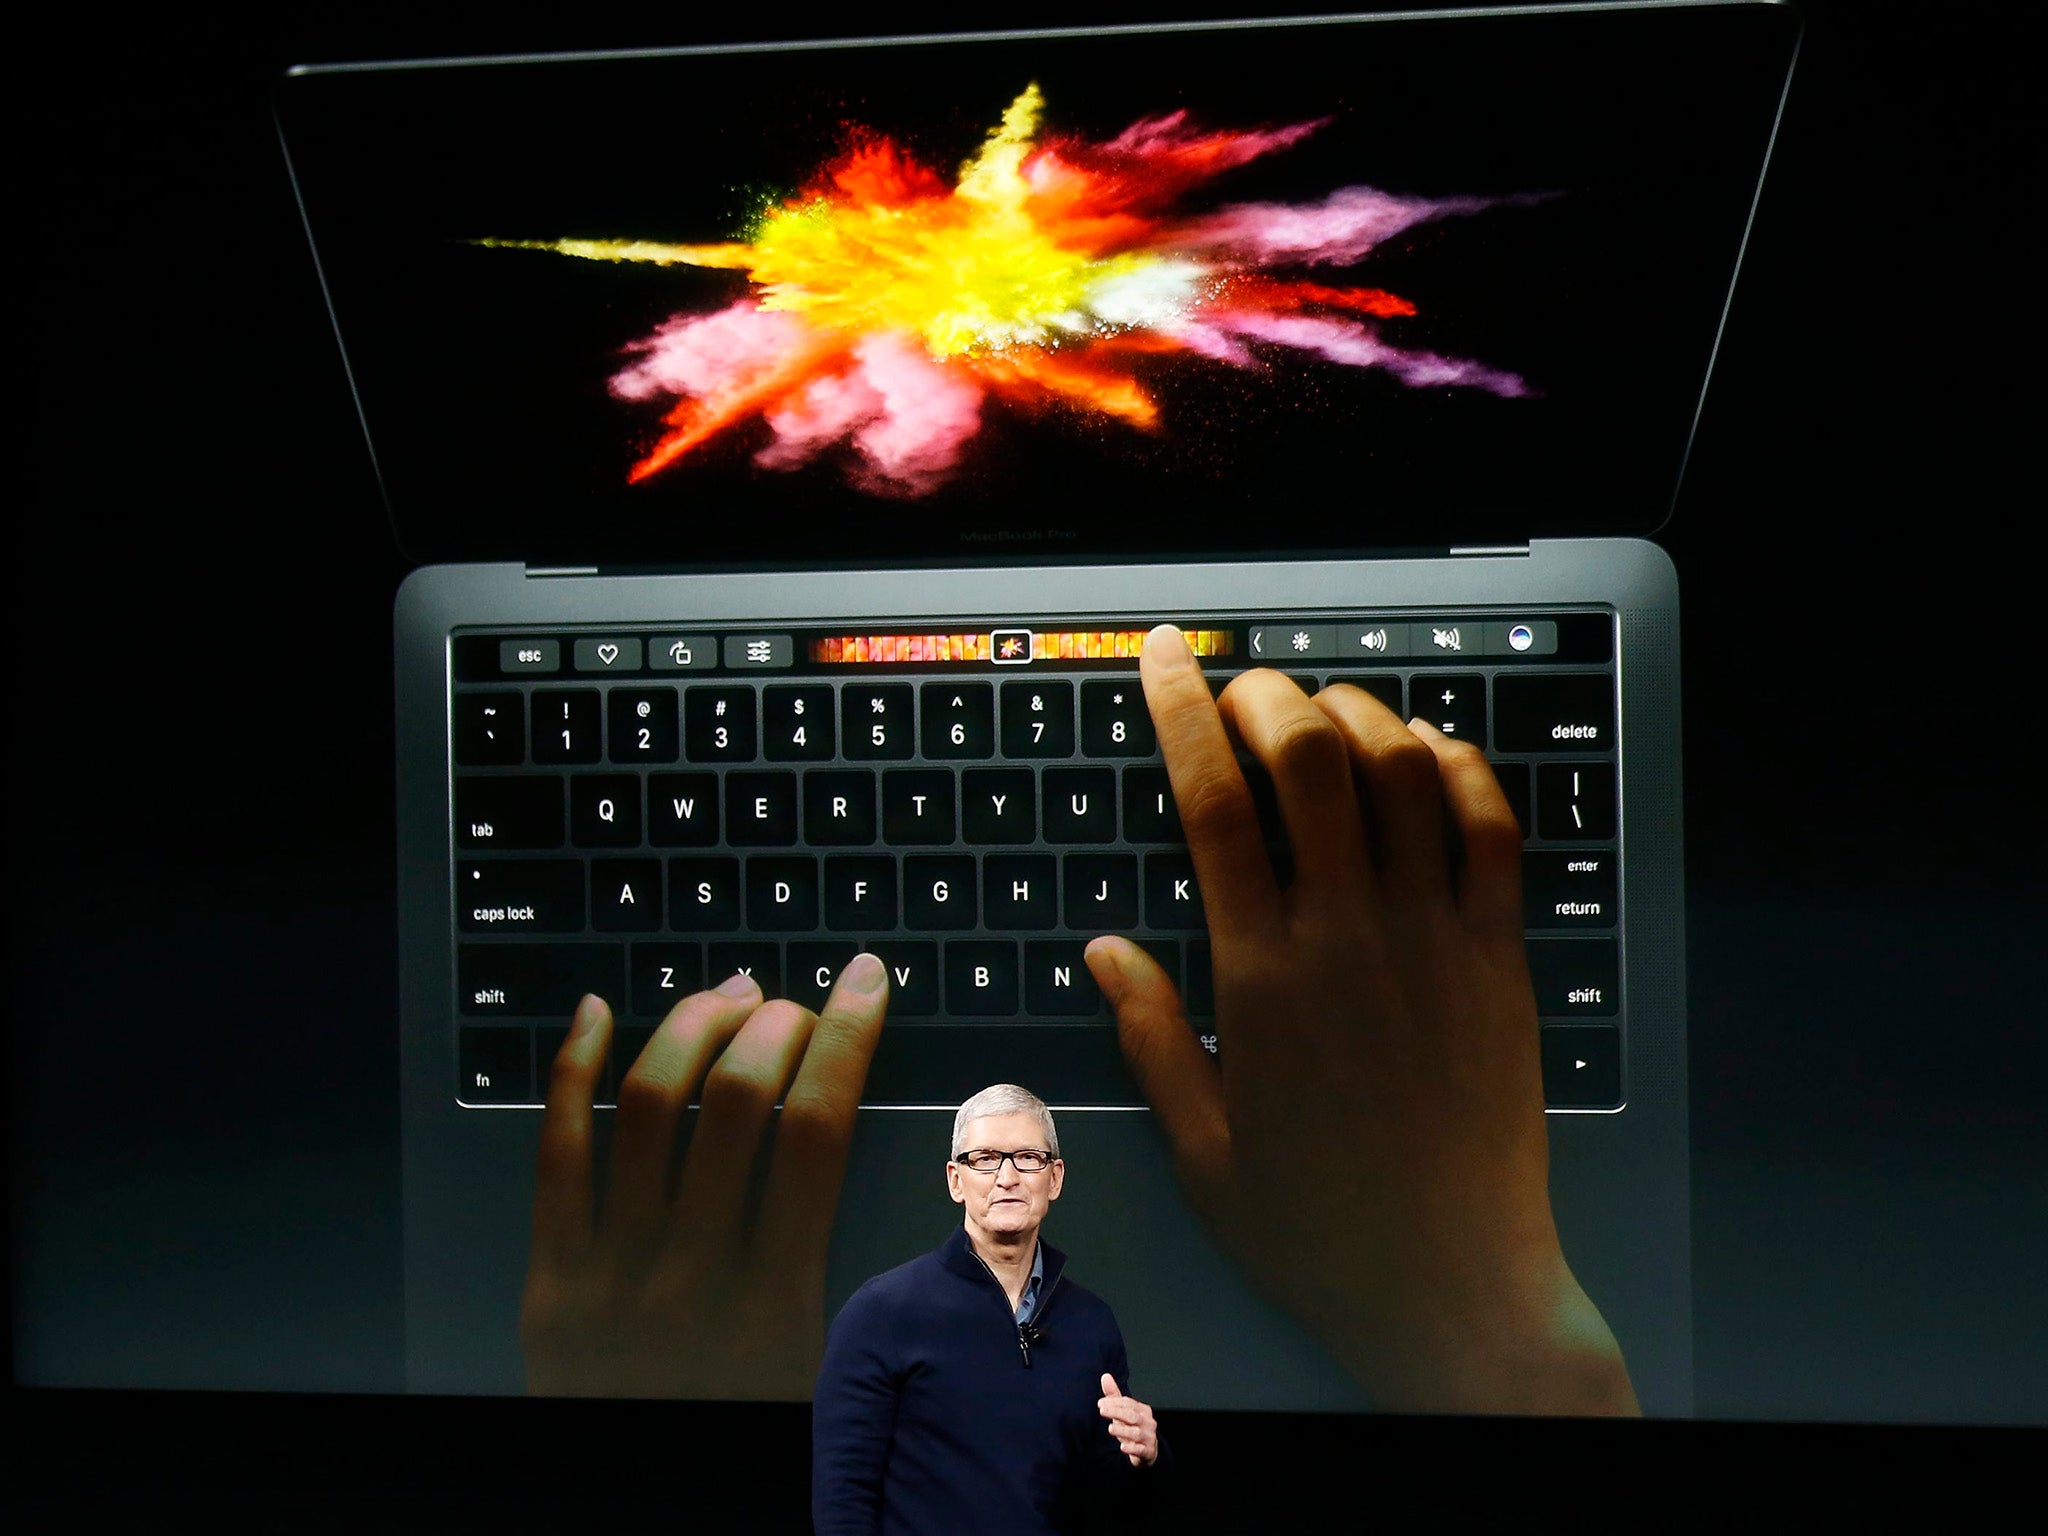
931 1420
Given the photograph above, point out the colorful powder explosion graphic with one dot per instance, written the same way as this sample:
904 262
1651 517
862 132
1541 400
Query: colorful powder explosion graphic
886 305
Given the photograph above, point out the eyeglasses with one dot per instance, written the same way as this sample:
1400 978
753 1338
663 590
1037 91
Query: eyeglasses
988 1160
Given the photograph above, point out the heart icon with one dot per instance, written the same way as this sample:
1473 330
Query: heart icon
607 653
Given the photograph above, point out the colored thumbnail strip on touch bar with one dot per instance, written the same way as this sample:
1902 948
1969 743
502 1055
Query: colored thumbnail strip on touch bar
1009 645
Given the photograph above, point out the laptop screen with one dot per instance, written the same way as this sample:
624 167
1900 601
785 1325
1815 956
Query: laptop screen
1368 284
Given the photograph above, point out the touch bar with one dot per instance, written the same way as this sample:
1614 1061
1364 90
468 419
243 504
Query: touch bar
1008 645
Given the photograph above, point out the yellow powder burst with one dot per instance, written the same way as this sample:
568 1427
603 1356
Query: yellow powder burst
968 272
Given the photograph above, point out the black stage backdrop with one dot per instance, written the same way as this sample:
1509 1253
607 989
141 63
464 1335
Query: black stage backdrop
202 1069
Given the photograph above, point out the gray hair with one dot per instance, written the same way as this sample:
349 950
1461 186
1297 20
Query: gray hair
1004 1099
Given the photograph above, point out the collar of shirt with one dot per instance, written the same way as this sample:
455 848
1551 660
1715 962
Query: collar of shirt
1028 1303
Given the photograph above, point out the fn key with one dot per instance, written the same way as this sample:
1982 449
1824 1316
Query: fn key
496 1067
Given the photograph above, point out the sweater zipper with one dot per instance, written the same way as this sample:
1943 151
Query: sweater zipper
1002 1295
1044 1301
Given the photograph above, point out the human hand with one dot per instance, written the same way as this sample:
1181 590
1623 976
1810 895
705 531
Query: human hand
1130 1422
678 1285
1371 1144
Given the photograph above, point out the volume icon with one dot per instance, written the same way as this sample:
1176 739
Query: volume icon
1373 640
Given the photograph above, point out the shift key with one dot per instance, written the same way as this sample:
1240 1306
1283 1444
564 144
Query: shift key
538 981
520 895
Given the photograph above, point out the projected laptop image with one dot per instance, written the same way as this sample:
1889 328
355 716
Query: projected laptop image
798 442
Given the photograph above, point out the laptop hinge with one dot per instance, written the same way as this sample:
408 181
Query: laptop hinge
561 570
1488 549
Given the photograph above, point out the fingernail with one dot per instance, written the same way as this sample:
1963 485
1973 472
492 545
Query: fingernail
1106 964
587 1013
1168 647
739 984
863 973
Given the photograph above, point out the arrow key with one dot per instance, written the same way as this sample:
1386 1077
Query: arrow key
1581 1066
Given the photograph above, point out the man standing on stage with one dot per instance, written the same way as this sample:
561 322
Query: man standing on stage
976 1388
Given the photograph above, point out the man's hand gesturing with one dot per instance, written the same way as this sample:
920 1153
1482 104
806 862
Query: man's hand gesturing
1371 1144
672 1286
1130 1422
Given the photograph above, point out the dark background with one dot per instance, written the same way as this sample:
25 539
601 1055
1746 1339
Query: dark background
202 1062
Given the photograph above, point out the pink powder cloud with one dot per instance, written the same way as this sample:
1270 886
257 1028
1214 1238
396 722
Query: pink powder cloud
1338 231
907 416
824 411
1355 345
709 354
1155 138
928 414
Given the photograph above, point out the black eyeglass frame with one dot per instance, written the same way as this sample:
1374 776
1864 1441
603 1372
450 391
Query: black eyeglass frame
963 1159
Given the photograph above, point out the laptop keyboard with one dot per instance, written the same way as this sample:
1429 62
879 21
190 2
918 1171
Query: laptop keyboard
641 813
